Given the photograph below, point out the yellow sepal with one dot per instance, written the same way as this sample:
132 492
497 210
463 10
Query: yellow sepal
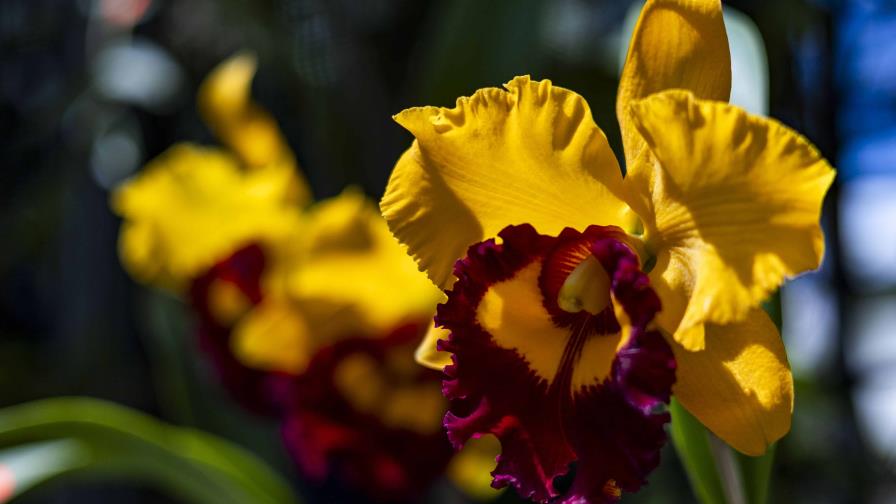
676 44
740 385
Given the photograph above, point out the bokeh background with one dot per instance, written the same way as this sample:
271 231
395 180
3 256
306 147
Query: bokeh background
92 89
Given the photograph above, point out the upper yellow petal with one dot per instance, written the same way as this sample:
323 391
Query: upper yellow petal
733 206
226 92
225 103
676 44
530 154
353 265
740 385
192 206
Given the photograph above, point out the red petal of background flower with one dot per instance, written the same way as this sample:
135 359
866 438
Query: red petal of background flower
330 438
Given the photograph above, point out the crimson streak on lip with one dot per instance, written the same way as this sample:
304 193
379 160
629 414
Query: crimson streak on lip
611 428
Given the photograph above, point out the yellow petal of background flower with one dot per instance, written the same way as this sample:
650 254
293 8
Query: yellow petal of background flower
427 354
352 263
225 103
193 206
740 385
530 154
734 207
676 44
274 336
471 468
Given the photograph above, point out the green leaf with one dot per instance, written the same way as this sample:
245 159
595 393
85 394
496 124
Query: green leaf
692 444
48 439
33 463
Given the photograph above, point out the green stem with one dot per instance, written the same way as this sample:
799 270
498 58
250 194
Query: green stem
728 469
756 473
692 444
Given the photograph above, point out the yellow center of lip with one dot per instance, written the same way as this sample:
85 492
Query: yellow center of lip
587 288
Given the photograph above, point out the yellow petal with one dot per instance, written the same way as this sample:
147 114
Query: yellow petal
734 205
676 44
391 389
530 154
428 354
740 385
354 265
225 102
273 337
193 206
227 90
471 468
227 303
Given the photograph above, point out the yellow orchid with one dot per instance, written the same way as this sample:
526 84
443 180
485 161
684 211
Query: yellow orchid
194 205
514 204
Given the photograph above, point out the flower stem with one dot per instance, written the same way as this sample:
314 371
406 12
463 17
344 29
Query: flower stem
728 470
692 443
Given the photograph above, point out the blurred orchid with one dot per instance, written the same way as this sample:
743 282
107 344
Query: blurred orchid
310 311
579 299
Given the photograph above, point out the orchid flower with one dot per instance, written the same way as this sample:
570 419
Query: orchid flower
310 311
578 297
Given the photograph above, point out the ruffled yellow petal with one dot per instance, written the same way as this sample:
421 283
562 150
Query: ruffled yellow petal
740 385
733 202
530 154
274 337
352 264
193 206
676 44
471 468
427 353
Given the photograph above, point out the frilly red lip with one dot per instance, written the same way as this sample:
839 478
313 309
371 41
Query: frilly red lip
613 428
